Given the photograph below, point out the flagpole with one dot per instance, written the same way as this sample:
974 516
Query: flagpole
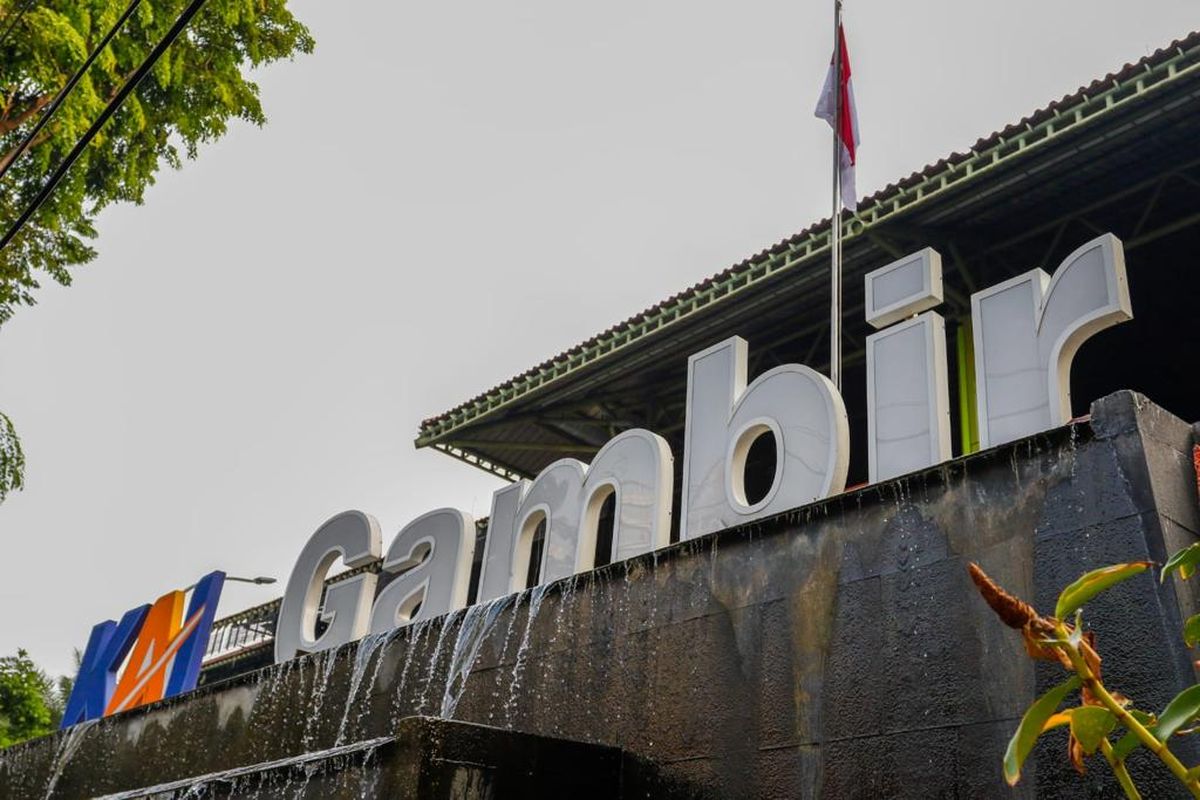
835 232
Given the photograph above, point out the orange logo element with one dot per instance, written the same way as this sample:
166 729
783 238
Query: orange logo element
162 634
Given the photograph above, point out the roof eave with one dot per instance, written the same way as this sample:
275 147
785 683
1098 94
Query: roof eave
959 172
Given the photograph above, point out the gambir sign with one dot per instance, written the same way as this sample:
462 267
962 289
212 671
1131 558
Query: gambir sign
1026 333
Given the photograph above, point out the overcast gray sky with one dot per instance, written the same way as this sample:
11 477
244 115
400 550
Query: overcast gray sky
445 195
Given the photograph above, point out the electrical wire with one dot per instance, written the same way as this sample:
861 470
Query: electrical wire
115 103
66 89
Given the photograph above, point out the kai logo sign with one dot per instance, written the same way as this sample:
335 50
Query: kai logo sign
153 652
1026 333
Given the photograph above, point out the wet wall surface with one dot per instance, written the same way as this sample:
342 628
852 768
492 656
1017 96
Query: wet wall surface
432 759
836 651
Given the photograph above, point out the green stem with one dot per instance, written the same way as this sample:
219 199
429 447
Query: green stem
1119 769
1148 739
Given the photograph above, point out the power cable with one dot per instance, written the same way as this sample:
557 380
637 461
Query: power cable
114 104
66 89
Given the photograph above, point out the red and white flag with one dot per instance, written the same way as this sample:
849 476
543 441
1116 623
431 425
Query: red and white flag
847 120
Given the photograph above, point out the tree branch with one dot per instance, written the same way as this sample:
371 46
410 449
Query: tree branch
39 102
8 157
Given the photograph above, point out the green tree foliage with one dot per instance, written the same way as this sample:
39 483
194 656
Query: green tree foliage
12 459
30 703
199 85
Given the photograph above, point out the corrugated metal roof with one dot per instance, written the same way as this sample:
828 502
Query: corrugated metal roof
956 172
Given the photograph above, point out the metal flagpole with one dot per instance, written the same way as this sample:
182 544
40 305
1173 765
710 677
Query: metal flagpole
835 232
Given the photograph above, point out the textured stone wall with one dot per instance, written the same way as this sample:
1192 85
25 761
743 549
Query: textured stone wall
431 759
839 650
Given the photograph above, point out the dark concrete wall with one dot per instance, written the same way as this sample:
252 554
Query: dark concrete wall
432 759
836 651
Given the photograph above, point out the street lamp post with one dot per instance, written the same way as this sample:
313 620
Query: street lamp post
261 580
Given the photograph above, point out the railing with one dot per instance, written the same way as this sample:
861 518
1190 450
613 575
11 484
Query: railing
249 629
242 631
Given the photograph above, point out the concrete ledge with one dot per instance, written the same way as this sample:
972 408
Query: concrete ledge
432 759
838 650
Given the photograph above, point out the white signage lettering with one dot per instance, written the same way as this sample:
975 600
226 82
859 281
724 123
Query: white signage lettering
353 537
908 396
1027 331
796 405
567 497
432 555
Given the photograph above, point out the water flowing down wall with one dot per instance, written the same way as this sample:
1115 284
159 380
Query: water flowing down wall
839 650
433 759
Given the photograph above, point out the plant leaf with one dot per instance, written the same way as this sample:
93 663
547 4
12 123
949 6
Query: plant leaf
1090 724
1093 583
1191 630
1184 560
1183 708
1075 636
1036 716
1058 720
1129 742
